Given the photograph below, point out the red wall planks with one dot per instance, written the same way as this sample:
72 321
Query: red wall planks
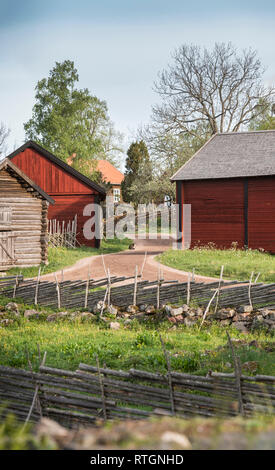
261 213
217 211
49 176
70 194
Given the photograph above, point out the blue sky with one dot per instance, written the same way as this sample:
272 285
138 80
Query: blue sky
118 47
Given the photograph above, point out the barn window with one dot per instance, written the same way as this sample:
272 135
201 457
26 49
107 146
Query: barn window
5 215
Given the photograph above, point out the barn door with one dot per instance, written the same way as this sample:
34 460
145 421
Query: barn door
7 239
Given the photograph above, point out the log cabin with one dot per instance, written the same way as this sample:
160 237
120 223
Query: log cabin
70 190
23 219
230 185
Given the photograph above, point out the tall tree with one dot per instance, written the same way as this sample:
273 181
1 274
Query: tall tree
137 158
4 133
67 120
219 87
168 152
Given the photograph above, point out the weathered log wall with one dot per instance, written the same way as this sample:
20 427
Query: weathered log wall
27 224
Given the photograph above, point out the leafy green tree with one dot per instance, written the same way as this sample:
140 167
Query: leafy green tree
137 164
266 120
142 190
168 152
66 120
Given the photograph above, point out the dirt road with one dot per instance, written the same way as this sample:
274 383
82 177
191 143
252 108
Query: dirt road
124 263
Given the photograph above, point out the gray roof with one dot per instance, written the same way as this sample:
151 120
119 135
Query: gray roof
232 155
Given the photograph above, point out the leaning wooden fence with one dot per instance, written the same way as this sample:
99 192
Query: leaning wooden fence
63 233
135 290
90 393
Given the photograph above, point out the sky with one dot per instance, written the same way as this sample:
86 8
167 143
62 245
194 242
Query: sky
118 47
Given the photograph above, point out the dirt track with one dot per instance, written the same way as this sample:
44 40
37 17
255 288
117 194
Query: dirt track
124 263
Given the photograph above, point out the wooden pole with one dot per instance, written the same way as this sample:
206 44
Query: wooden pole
37 286
135 287
15 286
158 290
58 292
169 376
188 290
238 374
109 287
143 265
104 267
249 289
101 382
219 288
208 306
35 400
87 289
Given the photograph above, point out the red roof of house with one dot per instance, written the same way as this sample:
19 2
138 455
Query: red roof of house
109 173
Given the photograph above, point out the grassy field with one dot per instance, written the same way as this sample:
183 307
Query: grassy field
238 264
60 258
136 345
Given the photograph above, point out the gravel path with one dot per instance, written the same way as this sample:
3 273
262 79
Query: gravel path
124 263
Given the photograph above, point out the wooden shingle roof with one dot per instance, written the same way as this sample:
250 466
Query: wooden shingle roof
232 155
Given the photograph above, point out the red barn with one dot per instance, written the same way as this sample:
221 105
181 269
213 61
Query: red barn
70 190
230 185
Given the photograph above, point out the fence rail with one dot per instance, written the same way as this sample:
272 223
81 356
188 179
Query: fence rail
91 393
81 293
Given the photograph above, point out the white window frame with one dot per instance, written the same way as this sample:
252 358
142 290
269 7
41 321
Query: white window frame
116 194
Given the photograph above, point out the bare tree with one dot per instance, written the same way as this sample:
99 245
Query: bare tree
219 88
4 133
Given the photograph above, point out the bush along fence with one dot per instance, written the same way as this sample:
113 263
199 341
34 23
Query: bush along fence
92 393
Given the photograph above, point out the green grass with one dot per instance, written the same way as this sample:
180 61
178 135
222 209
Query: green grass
60 258
238 264
138 345
14 436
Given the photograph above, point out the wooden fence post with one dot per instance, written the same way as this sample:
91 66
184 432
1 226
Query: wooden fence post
143 265
104 267
158 290
37 287
208 307
188 290
15 286
101 383
109 288
58 292
169 375
87 289
249 289
219 288
238 374
35 400
135 287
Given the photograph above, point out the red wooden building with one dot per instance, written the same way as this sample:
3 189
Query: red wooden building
230 185
71 190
